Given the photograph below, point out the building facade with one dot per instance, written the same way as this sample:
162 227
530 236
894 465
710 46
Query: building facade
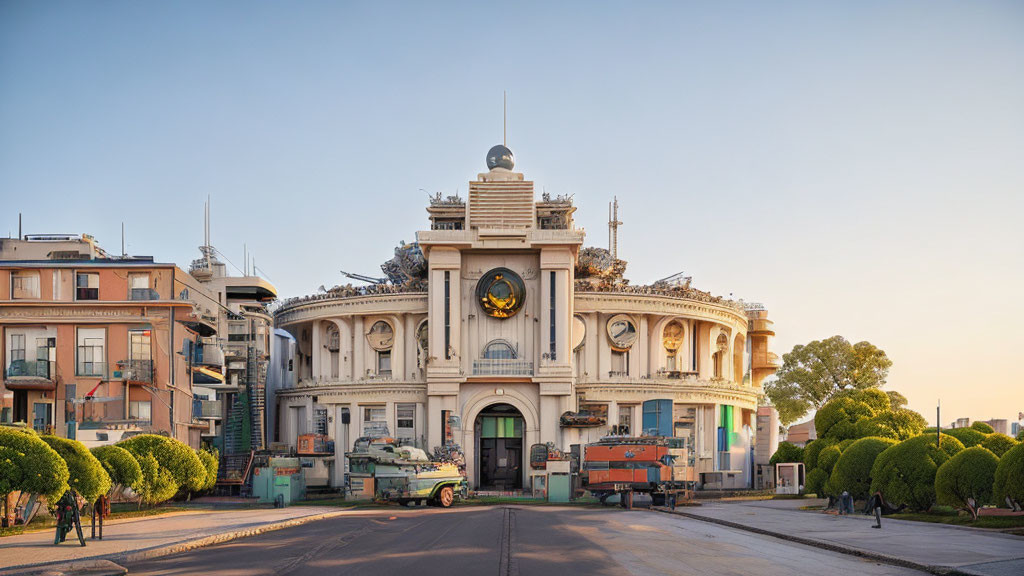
497 330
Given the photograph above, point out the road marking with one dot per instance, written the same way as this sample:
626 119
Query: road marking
507 565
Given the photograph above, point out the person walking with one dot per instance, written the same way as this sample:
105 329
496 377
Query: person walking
875 504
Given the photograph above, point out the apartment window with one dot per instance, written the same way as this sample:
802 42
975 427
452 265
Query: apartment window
17 347
90 352
625 420
375 421
138 286
87 286
320 420
620 363
140 347
24 285
141 410
384 363
238 331
405 421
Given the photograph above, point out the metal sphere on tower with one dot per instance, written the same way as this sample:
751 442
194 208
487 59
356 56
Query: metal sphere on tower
500 156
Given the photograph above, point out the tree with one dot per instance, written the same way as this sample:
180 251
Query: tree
27 464
157 483
905 473
852 472
121 466
815 484
998 444
983 427
211 461
965 480
174 456
1020 435
967 436
86 475
787 452
813 373
1009 478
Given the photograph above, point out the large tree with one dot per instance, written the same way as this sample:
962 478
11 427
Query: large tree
812 374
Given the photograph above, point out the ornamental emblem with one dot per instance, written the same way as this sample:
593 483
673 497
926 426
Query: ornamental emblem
501 293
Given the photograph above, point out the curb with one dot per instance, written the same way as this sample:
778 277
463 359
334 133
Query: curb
884 558
85 566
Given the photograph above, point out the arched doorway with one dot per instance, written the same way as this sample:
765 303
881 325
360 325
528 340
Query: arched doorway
498 435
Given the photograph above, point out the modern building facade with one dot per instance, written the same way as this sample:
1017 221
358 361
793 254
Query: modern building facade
498 330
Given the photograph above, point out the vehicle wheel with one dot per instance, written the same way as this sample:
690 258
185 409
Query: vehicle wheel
445 497
657 499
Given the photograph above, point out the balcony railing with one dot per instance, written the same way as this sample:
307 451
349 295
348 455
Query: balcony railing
502 367
92 369
135 371
207 409
30 369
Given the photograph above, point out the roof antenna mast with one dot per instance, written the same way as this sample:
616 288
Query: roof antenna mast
613 227
504 118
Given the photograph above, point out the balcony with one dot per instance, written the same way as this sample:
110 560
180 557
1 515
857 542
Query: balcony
207 409
135 371
30 375
502 367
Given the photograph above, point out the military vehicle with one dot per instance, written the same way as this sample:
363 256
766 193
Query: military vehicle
405 474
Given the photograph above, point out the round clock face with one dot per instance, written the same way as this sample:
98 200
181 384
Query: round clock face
423 336
501 293
381 336
579 332
621 332
673 336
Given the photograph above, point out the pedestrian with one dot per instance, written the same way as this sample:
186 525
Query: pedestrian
875 504
845 503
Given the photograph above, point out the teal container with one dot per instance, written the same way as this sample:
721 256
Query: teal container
559 487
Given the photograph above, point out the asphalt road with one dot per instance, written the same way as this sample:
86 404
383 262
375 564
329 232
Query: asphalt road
508 541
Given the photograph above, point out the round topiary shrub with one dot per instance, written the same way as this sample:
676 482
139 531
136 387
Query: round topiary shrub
965 480
174 456
86 474
157 483
812 450
998 444
1009 477
967 436
828 458
837 419
28 464
983 428
211 460
787 452
119 463
853 470
905 473
1020 435
815 482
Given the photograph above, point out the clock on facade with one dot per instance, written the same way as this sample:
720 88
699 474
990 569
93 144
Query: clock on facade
501 293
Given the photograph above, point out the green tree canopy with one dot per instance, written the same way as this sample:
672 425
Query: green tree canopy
854 414
86 474
816 480
157 484
853 470
967 436
967 476
813 373
28 464
174 456
905 473
983 427
119 463
787 452
211 461
998 444
1020 435
1009 478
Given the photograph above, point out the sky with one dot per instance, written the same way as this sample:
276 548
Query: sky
857 167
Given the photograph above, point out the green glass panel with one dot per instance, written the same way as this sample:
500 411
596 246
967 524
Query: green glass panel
489 428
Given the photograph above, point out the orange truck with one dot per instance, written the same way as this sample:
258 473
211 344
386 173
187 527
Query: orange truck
654 465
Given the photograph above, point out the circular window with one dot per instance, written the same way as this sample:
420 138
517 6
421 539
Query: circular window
579 332
501 293
423 336
622 332
381 336
672 337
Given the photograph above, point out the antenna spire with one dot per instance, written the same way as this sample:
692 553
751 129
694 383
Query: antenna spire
613 227
504 118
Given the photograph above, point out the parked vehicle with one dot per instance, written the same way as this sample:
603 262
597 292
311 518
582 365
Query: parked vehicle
405 474
654 465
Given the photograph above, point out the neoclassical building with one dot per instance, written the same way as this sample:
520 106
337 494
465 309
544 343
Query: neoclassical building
497 330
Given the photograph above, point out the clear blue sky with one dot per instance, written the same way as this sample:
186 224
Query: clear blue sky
858 166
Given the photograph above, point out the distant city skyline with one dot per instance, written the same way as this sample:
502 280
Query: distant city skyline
855 167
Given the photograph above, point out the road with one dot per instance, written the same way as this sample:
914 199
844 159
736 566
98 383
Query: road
508 541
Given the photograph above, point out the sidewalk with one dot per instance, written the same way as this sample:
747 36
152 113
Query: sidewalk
937 548
151 536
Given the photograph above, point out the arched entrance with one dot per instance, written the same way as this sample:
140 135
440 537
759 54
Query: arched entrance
499 438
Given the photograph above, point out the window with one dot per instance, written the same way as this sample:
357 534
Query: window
140 348
375 421
320 421
384 363
17 347
138 286
24 285
238 331
620 364
90 351
87 286
499 350
625 420
405 421
141 410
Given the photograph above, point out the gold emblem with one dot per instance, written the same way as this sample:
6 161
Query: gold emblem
501 293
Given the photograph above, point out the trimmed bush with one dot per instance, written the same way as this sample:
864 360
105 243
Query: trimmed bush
787 452
174 456
812 450
28 464
853 470
983 428
157 483
86 474
119 463
998 444
967 436
815 483
211 461
828 458
1020 435
897 424
838 418
967 475
1009 478
905 473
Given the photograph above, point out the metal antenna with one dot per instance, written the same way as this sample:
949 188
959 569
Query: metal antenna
613 227
504 118
123 252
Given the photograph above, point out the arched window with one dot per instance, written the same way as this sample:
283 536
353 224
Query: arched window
333 338
499 350
672 339
722 345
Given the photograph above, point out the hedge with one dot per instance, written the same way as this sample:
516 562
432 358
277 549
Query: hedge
174 456
119 463
157 483
812 450
967 475
905 473
967 436
787 452
28 464
852 472
1020 435
983 428
86 474
1009 478
815 482
998 444
828 457
211 461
